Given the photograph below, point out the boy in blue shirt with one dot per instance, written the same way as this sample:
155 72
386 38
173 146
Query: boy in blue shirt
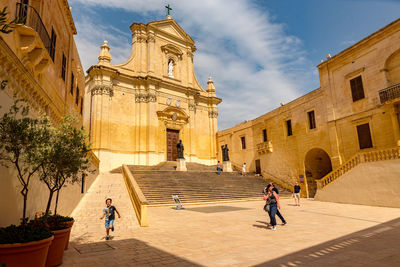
109 213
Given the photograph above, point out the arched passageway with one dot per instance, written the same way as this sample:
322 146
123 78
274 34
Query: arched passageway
317 164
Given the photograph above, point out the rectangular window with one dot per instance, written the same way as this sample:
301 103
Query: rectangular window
311 120
63 67
357 89
53 44
289 128
77 96
243 139
364 136
81 105
72 84
265 138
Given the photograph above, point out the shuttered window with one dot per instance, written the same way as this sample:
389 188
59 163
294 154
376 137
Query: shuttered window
243 139
77 96
364 136
311 120
53 44
289 128
63 67
265 137
72 84
357 89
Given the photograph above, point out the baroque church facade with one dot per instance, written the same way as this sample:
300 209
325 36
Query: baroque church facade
136 112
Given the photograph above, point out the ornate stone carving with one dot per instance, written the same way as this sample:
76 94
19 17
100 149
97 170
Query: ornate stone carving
145 98
151 38
192 107
102 90
213 114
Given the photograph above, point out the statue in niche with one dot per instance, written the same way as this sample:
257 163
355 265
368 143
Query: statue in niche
180 148
225 152
171 68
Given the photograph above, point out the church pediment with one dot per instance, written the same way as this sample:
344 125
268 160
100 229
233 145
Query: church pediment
170 27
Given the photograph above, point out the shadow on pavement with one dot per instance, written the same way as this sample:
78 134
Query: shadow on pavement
127 252
375 246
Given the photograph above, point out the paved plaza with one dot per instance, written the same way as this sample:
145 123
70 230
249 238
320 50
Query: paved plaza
236 234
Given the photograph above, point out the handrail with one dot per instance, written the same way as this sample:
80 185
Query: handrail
372 156
138 200
389 93
94 159
277 180
30 17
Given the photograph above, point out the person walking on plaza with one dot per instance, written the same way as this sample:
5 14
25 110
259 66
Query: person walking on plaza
274 205
244 169
109 213
219 169
278 213
296 194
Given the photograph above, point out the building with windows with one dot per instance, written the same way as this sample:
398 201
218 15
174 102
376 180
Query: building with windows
40 62
355 110
137 111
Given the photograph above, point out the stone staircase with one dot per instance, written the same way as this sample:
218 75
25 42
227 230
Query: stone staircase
88 227
199 184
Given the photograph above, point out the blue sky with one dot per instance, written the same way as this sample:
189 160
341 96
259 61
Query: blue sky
259 53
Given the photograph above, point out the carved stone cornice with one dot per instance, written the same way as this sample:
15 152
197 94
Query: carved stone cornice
213 114
145 98
102 90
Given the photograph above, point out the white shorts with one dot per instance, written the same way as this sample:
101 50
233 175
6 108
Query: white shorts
296 195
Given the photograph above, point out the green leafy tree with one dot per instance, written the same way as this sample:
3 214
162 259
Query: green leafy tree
22 142
65 158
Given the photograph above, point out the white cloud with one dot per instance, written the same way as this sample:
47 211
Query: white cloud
254 63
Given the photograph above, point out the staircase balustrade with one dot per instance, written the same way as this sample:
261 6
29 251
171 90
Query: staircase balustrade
372 156
138 199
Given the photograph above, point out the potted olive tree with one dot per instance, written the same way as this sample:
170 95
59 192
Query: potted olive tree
22 142
65 162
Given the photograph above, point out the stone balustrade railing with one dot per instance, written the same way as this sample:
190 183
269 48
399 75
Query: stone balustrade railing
372 156
139 201
389 93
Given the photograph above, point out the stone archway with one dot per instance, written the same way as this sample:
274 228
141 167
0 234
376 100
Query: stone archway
317 164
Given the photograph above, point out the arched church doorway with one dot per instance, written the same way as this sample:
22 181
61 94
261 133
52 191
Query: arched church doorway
317 164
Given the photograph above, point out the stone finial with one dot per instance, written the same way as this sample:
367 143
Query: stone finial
210 86
104 56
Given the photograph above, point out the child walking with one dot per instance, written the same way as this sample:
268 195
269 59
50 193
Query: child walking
109 213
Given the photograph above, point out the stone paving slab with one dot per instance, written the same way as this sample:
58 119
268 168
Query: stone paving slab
317 234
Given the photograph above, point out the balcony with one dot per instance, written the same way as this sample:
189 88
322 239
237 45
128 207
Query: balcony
389 93
33 39
264 147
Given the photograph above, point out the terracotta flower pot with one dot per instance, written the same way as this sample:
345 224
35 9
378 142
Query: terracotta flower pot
69 223
56 250
32 254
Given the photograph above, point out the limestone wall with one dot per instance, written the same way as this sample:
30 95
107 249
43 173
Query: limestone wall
309 154
12 200
373 183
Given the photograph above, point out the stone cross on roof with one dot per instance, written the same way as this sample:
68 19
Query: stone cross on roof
168 9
